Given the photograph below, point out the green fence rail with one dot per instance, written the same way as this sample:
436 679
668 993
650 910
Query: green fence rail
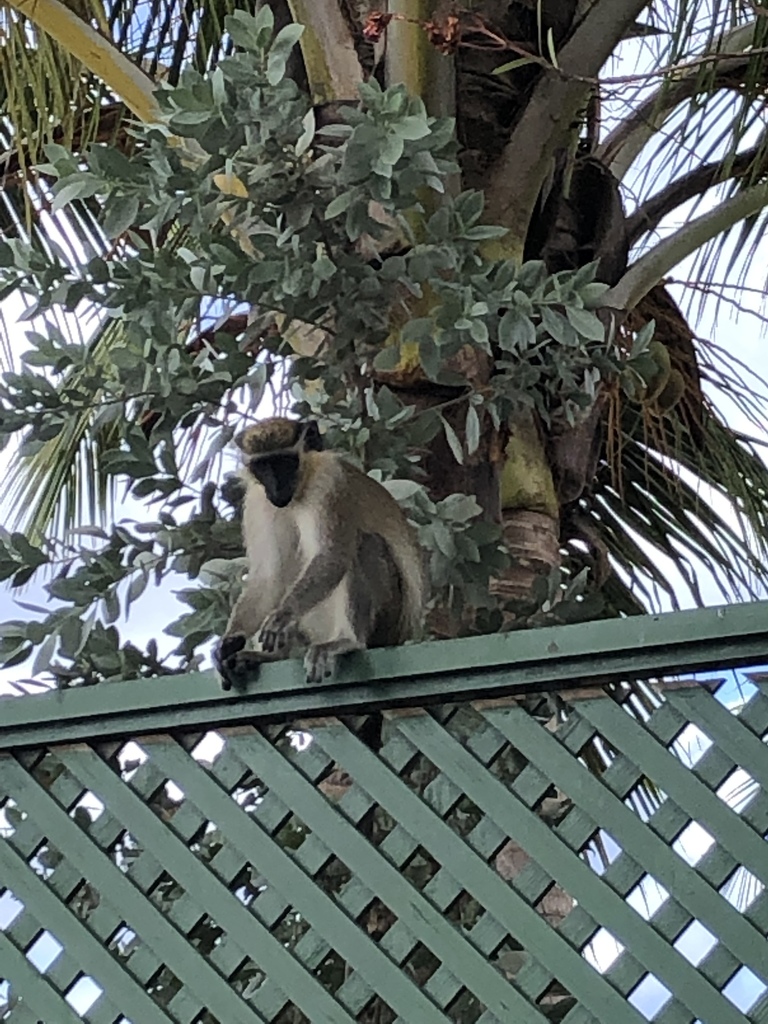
532 843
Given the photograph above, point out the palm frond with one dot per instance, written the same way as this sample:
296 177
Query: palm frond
43 89
64 485
47 95
702 124
663 520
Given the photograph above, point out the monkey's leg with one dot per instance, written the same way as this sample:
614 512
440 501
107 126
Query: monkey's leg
371 607
320 662
375 599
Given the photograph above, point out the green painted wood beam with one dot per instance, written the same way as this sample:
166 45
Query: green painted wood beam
581 883
410 906
361 953
680 784
502 900
238 922
591 653
654 854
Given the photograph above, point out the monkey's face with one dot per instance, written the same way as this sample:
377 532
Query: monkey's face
278 474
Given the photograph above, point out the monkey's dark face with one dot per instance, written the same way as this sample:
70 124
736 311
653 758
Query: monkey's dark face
278 474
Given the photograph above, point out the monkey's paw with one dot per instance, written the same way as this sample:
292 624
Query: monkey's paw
320 662
277 630
226 659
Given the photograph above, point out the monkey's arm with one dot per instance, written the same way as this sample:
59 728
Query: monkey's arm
235 665
319 579
333 539
251 608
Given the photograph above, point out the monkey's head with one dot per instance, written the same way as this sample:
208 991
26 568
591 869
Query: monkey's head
272 453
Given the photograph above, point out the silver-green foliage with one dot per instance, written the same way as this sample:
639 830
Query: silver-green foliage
257 209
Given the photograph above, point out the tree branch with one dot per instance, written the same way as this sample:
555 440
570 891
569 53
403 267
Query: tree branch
547 118
95 52
330 59
625 142
652 267
648 216
411 57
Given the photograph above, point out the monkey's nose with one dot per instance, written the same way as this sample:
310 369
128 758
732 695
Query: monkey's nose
281 502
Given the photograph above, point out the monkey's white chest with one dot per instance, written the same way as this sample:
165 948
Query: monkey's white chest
308 533
281 543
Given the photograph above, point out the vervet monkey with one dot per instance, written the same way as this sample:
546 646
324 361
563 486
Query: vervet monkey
333 565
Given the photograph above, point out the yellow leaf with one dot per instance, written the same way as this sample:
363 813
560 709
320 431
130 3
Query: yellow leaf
230 185
409 356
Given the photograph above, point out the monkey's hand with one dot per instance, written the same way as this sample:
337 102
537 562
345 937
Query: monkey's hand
228 657
278 630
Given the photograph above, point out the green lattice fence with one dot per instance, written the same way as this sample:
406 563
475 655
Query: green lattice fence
168 853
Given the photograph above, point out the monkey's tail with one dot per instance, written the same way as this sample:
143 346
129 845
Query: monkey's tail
414 584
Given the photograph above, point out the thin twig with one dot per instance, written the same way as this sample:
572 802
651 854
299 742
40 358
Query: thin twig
672 69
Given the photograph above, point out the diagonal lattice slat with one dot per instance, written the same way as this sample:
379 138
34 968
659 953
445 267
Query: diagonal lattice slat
495 861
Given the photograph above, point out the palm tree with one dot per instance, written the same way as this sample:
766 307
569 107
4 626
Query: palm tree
620 486
633 479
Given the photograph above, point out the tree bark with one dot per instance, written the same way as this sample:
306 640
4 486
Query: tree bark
548 117
532 540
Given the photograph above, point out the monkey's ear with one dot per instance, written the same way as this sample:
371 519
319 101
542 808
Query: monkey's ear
311 437
241 440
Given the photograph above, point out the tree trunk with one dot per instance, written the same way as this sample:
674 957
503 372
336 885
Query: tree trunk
532 540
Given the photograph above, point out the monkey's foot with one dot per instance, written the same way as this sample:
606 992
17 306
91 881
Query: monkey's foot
278 630
320 659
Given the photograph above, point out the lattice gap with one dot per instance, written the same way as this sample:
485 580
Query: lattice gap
488 864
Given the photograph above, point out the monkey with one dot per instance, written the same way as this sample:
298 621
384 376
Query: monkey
333 564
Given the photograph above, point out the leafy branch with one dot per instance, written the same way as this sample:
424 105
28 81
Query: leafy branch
276 216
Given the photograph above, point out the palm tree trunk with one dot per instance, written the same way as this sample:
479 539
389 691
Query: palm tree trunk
532 540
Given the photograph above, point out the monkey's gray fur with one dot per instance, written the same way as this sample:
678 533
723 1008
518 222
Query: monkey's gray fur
333 565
